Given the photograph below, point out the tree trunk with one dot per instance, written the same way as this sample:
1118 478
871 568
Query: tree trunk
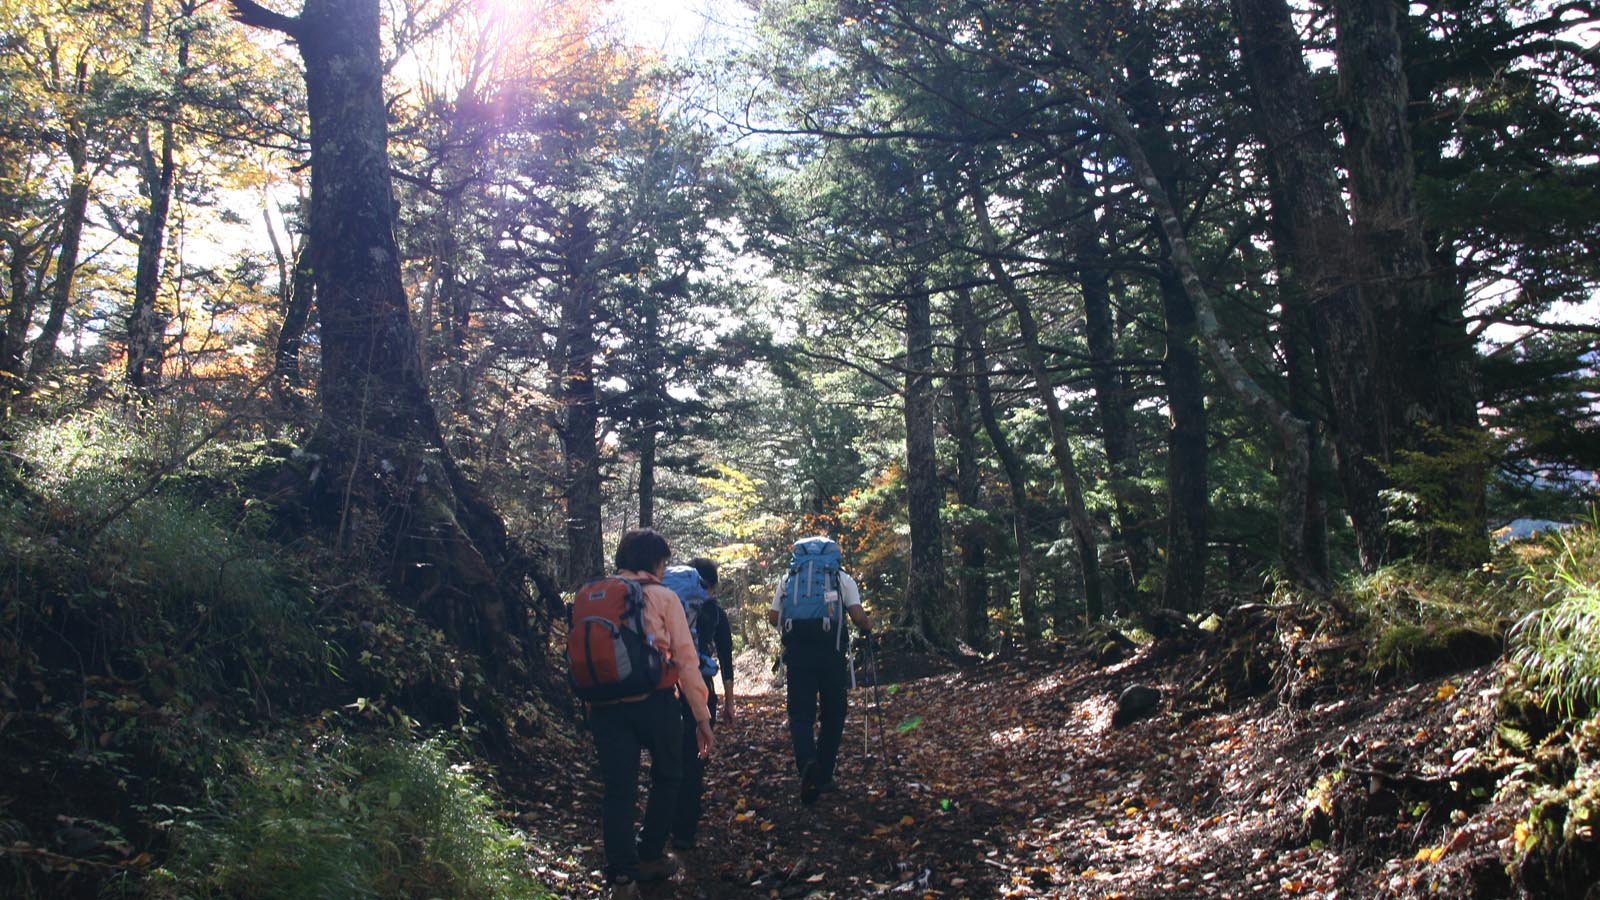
1303 402
20 303
397 489
286 373
925 594
72 219
1317 261
1077 512
1188 454
1111 401
1188 487
971 533
1016 479
647 476
146 325
1431 391
580 416
649 414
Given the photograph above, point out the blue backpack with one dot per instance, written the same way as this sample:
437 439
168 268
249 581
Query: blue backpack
685 582
812 610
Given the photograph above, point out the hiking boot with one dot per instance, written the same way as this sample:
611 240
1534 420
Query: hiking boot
810 783
624 889
657 869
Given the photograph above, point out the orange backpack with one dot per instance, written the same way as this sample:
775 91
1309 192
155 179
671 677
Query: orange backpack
610 654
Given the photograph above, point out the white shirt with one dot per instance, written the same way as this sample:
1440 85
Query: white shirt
849 592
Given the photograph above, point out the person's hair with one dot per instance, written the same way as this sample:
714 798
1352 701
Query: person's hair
707 569
641 550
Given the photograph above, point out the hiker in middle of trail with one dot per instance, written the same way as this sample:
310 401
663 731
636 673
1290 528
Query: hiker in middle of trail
696 586
809 608
628 720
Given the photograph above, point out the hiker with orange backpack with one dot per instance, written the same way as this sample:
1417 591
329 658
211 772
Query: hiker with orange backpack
631 657
809 608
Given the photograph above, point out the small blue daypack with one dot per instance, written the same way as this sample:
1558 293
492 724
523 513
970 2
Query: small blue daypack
812 610
685 582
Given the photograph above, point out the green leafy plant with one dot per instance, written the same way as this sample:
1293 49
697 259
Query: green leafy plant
346 818
1418 617
1557 649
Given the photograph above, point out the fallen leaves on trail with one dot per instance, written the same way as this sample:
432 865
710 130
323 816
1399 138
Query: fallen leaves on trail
1009 781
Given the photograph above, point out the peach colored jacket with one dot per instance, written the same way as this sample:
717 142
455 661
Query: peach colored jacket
664 621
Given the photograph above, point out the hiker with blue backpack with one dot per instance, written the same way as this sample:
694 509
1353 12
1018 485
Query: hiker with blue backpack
809 609
631 656
696 586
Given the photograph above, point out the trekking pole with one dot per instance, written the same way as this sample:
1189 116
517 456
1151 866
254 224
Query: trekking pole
855 683
877 708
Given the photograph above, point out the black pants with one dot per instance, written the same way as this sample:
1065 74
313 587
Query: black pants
621 730
686 824
819 678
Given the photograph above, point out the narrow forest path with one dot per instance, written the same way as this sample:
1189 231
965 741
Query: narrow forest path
1009 781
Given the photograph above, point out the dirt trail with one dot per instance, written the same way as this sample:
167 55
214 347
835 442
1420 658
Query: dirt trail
1009 781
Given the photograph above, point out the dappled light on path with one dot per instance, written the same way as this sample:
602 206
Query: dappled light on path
1009 781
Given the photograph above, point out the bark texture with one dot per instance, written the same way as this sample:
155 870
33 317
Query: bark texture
925 582
1317 261
387 479
1431 390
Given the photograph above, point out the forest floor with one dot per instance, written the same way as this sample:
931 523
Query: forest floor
1007 779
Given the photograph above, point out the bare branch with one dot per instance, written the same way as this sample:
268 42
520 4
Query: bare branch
249 12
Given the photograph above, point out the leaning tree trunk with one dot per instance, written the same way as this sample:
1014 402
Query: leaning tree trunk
72 221
1016 479
388 481
1293 432
1028 329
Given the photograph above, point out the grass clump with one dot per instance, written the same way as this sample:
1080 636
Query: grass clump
1556 649
346 818
1425 621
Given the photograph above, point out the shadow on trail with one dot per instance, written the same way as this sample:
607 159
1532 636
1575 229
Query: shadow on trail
1008 780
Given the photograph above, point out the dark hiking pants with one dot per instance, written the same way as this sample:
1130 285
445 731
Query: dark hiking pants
621 730
819 679
686 824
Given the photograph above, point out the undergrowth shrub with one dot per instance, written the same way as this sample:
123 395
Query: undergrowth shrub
345 818
1424 619
1548 724
100 545
1556 649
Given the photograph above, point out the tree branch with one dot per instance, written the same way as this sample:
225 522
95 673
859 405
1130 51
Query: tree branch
249 12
